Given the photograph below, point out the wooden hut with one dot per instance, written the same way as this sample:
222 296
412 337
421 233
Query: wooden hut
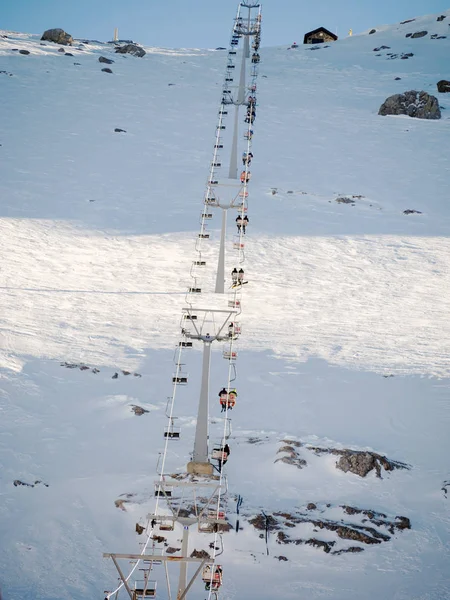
318 36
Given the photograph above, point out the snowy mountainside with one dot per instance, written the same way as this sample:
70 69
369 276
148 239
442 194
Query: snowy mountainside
345 325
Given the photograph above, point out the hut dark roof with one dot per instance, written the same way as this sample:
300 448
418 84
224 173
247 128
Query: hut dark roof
307 35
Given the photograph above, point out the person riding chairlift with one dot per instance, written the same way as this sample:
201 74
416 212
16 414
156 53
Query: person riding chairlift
241 275
245 176
247 158
234 275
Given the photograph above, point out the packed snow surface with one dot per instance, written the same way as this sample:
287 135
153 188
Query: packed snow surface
346 330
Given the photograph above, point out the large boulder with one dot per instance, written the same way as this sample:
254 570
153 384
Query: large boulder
58 36
133 49
443 86
414 104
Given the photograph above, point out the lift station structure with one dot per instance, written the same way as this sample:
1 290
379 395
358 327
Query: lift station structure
194 501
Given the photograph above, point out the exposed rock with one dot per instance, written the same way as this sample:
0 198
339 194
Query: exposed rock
345 200
24 52
264 522
133 49
200 554
61 50
311 506
281 558
407 21
18 482
350 549
118 130
419 105
78 64
326 546
360 462
68 54
58 36
443 86
441 18
295 443
121 504
418 34
445 486
159 539
103 59
138 410
293 458
171 550
408 35
115 376
107 70
397 78
139 529
372 31
435 36
381 48
123 372
403 523
410 211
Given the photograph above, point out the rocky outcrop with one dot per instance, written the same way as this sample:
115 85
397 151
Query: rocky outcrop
443 86
441 18
292 457
374 529
419 105
372 31
103 59
138 410
133 49
360 462
418 34
58 36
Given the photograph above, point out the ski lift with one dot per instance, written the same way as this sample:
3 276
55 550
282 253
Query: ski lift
144 589
195 290
200 263
204 236
216 164
232 53
211 201
212 576
234 303
213 181
218 146
230 354
238 243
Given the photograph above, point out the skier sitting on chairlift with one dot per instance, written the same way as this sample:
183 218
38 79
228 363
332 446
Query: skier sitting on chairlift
245 176
241 275
242 222
248 134
247 158
234 275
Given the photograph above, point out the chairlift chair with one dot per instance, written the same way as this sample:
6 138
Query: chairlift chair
180 379
172 433
143 589
161 491
238 243
212 575
230 354
167 526
234 303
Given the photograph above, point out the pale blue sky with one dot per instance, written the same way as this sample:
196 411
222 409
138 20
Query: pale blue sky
204 23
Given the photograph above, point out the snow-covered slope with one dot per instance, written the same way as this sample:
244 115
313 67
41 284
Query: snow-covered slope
96 236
